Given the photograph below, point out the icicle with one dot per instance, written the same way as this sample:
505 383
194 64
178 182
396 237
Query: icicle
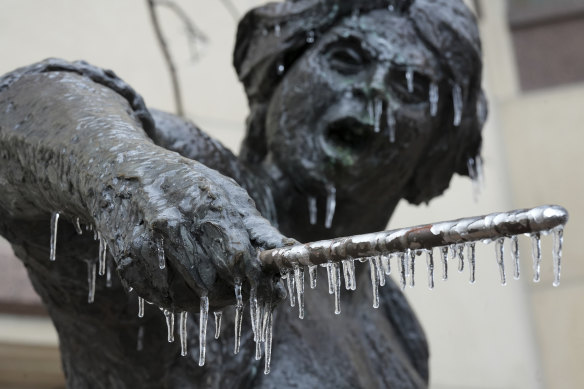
471 261
402 269
108 276
203 318
391 125
385 264
346 270
331 203
378 110
515 253
258 350
95 235
410 79
253 312
265 318
353 279
480 173
77 225
460 251
140 339
277 30
457 102
102 254
471 165
54 227
558 239
374 282
329 272
169 324
336 273
312 211
291 287
536 253
299 279
238 315
182 331
91 281
218 316
499 249
140 307
312 272
444 262
380 273
430 265
160 252
434 99
268 342
412 268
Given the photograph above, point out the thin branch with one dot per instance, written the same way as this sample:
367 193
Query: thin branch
194 34
167 58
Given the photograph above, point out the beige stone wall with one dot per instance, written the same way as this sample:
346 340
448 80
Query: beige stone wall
523 335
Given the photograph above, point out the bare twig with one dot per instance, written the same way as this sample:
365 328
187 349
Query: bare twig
194 34
490 227
167 58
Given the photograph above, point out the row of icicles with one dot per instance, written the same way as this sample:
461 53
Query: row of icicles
261 314
380 267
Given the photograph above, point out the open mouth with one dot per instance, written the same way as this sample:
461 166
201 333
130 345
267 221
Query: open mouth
349 133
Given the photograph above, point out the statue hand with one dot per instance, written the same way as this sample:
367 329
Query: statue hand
200 226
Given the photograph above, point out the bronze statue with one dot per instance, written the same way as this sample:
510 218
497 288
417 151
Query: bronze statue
353 106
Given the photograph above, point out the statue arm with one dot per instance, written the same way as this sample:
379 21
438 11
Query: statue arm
78 147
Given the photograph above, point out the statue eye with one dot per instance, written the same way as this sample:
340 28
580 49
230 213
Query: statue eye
410 86
346 60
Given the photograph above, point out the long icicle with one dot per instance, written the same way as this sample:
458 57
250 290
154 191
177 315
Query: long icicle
374 282
169 316
268 342
412 268
499 249
218 315
291 287
336 273
402 269
253 312
238 315
203 319
536 253
430 264
140 307
472 262
380 272
331 204
91 265
102 254
444 251
515 254
160 252
299 280
77 226
558 239
312 272
182 330
54 228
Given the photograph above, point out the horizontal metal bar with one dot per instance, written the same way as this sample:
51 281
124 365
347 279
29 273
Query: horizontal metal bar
427 236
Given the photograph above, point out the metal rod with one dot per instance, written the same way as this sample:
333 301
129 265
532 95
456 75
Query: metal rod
428 236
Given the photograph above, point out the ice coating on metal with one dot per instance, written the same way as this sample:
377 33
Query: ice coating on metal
471 229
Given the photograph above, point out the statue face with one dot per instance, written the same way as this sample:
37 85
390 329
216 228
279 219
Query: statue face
331 118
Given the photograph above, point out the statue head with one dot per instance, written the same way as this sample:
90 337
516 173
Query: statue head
363 93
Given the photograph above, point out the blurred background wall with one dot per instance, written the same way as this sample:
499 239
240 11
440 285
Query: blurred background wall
523 335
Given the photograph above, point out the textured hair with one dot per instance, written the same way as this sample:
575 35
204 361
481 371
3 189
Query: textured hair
272 37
